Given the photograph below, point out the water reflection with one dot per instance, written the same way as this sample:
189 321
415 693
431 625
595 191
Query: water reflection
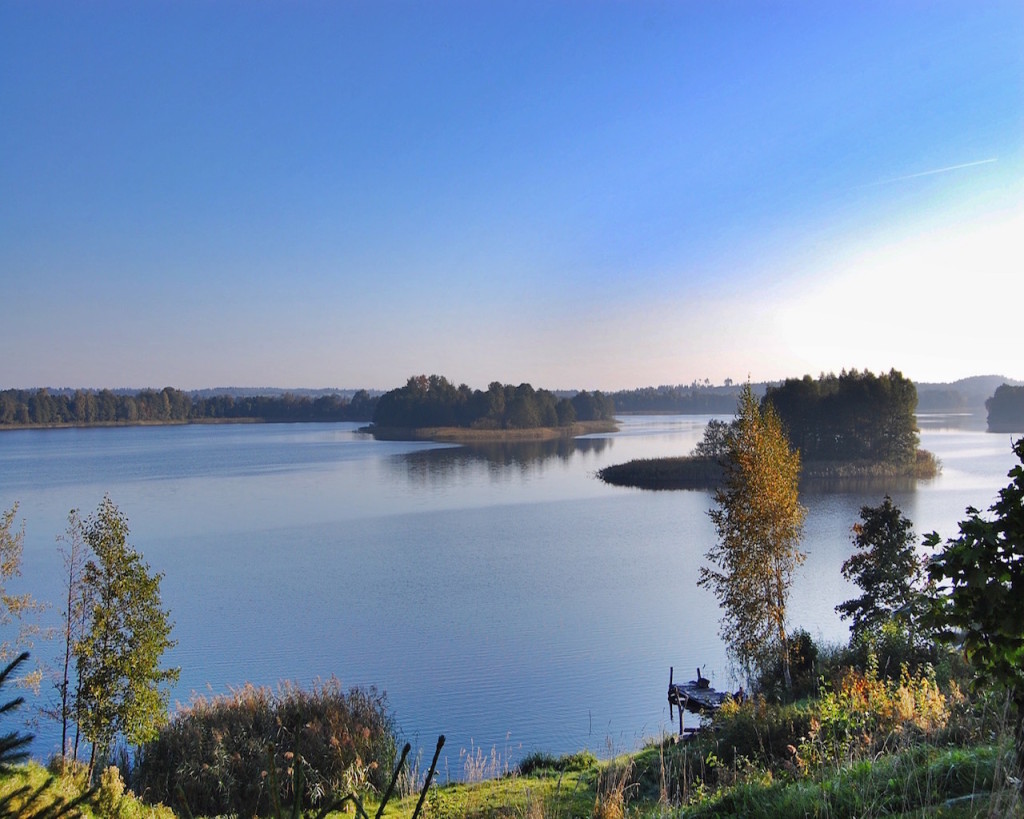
495 459
952 420
861 485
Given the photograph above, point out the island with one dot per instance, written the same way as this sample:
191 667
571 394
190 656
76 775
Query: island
1006 409
433 408
854 426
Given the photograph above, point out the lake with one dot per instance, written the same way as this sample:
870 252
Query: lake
501 595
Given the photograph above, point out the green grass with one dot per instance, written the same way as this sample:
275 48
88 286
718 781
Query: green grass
110 801
865 745
920 780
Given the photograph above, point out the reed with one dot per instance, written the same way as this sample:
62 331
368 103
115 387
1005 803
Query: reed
213 753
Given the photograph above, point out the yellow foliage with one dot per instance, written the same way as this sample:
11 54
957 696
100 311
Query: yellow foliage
865 712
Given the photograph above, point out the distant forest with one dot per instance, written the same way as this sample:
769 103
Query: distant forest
1006 409
168 406
433 401
696 399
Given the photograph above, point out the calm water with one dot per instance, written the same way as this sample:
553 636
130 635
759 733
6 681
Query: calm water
500 595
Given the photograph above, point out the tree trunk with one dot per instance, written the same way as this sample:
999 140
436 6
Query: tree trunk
787 676
1018 739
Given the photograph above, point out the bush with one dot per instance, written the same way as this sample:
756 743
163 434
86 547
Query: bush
867 714
760 732
803 668
218 751
538 762
893 648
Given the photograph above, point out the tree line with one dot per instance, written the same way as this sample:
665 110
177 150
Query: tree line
696 399
853 416
433 401
1006 409
86 407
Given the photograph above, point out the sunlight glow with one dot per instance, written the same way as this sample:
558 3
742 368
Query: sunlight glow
945 300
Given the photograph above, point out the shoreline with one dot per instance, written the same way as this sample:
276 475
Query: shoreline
469 435
692 472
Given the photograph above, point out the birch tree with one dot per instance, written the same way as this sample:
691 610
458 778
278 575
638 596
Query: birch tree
123 688
17 611
75 603
759 522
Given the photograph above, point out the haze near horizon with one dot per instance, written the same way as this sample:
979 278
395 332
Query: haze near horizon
601 195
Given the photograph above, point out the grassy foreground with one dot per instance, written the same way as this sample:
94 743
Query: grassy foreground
918 777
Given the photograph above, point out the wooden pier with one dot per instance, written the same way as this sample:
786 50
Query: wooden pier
696 696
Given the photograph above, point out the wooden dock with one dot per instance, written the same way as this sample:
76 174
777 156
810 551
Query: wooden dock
696 696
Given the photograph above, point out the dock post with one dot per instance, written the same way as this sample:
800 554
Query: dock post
670 671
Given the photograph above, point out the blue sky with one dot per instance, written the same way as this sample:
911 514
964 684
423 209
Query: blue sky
595 195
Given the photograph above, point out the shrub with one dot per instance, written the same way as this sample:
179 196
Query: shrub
216 749
758 731
803 664
865 713
893 648
539 762
110 795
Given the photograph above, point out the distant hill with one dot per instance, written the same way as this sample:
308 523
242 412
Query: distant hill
965 395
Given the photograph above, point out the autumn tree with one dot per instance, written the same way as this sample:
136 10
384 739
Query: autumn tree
759 522
16 610
979 602
122 691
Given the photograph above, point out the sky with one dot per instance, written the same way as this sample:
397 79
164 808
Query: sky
589 195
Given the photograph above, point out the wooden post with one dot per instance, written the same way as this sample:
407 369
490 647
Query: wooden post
673 699
670 671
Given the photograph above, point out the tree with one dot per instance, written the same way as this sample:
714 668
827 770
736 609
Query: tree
15 608
887 569
759 521
887 616
979 602
118 655
715 443
75 614
1006 409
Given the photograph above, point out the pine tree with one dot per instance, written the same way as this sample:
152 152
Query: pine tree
887 569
